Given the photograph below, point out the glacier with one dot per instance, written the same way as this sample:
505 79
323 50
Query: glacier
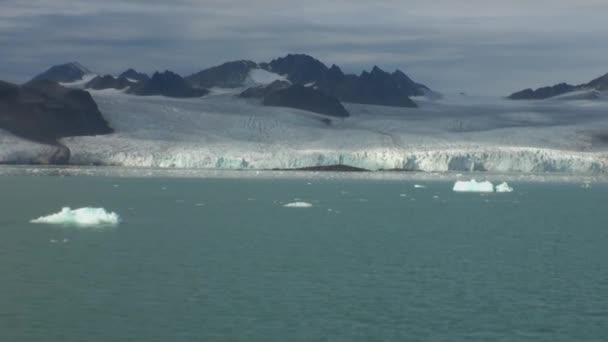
82 217
221 131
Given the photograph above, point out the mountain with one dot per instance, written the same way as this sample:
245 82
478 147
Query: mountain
44 111
284 94
376 87
228 75
306 98
598 84
68 72
167 84
108 82
131 74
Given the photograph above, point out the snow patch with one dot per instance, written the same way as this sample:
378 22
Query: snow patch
504 187
298 205
82 217
473 186
260 76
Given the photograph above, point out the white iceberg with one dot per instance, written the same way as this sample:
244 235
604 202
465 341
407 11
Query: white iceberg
418 186
298 205
473 186
82 217
504 187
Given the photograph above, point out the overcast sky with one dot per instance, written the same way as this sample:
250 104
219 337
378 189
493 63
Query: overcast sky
477 46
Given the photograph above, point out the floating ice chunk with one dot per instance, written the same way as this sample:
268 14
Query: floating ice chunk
83 217
473 186
504 187
298 205
418 186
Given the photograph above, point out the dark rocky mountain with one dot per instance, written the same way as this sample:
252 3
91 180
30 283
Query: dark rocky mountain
598 84
306 98
376 87
44 111
284 94
108 82
68 72
167 84
134 75
300 69
227 75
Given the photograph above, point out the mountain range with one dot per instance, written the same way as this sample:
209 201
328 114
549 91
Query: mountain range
588 90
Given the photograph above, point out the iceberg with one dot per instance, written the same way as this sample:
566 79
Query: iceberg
298 205
504 187
473 186
82 217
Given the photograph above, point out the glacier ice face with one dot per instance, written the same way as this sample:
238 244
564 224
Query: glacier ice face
473 186
504 187
298 205
82 217
220 131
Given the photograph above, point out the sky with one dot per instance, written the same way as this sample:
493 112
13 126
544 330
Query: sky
473 46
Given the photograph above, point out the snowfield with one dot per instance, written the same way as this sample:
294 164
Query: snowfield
460 133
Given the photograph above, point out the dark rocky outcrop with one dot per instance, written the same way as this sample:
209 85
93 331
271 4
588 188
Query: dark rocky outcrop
131 74
167 84
306 98
227 75
598 84
44 111
108 82
376 87
68 72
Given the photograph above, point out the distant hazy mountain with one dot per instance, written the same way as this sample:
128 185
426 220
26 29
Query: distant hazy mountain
598 84
131 74
167 84
44 111
68 72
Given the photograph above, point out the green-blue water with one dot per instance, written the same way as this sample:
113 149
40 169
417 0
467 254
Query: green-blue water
212 259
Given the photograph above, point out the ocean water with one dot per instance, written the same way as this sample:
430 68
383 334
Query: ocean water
223 259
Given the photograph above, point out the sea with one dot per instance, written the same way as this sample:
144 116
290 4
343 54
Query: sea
359 258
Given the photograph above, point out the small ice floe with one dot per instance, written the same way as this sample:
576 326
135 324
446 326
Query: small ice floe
298 205
419 186
402 195
200 204
83 217
163 188
504 187
435 197
65 240
53 241
473 186
586 185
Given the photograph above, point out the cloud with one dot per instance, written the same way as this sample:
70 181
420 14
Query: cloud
472 45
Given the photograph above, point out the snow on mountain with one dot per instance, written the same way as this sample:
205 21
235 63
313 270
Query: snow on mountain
260 76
